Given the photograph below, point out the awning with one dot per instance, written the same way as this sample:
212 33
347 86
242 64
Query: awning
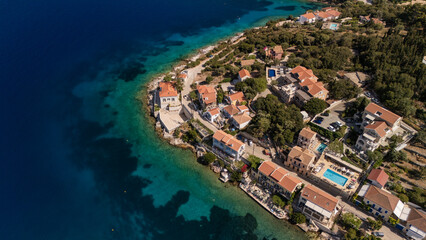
363 190
318 209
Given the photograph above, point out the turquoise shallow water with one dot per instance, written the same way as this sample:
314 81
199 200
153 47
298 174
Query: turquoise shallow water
80 158
171 170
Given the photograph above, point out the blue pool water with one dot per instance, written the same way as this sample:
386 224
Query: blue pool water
321 147
335 177
333 26
271 73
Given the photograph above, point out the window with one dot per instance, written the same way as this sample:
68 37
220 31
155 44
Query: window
164 100
386 211
368 201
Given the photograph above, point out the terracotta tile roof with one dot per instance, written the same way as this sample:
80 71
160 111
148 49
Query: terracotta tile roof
319 197
307 133
278 174
242 108
378 126
247 62
378 175
316 88
305 156
208 93
182 75
382 113
322 14
238 96
167 90
289 183
417 218
304 73
241 118
231 109
244 73
334 13
278 49
267 167
214 111
381 197
309 15
228 140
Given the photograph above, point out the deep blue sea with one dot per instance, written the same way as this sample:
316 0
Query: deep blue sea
79 157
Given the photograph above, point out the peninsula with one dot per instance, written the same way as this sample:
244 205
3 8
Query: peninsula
319 118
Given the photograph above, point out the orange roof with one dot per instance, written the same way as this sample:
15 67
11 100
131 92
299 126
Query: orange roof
228 140
307 133
278 49
242 108
309 15
322 14
214 111
315 88
305 156
303 74
381 197
319 197
182 75
267 167
278 174
247 62
378 175
378 126
231 109
382 113
167 90
289 183
334 13
244 73
208 93
238 96
417 218
241 118
298 69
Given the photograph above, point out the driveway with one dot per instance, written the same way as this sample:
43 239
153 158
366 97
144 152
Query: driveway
334 115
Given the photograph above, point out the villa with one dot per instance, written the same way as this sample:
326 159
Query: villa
212 114
235 98
318 205
307 18
168 95
378 124
243 74
415 224
275 52
206 95
228 144
278 179
383 203
378 177
325 15
182 76
232 110
306 138
300 160
240 120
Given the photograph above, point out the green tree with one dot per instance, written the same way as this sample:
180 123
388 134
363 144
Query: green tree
193 95
351 234
403 197
315 106
336 146
277 200
209 79
209 158
297 218
349 220
374 224
254 161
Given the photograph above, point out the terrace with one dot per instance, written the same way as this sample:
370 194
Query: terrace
337 174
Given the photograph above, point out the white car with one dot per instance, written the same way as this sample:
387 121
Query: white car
331 128
368 94
339 123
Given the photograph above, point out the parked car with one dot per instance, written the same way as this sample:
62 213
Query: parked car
318 120
339 123
368 94
325 114
378 234
250 142
331 128
266 152
375 100
335 126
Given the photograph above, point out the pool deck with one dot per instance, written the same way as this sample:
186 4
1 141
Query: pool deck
328 165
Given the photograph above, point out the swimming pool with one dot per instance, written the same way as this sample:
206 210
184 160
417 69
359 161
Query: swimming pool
335 177
271 73
321 147
333 26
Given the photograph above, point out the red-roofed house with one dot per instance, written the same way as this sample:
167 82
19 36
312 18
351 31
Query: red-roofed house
243 74
307 18
241 120
300 160
335 14
378 177
168 95
235 98
415 226
378 124
317 204
275 52
212 114
228 144
289 184
323 16
306 138
206 95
